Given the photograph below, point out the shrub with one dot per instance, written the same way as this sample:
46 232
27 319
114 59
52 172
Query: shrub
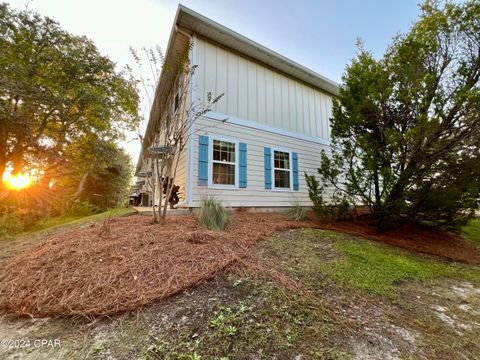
83 208
338 207
297 212
9 225
213 215
20 220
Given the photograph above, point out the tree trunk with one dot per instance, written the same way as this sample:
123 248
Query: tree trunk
155 220
81 185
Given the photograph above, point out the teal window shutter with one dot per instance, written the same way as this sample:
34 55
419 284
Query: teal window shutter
295 170
267 156
203 160
243 165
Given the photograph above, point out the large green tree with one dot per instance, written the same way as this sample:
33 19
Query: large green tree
55 89
406 127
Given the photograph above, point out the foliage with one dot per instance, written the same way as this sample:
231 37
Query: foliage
379 268
406 128
358 263
297 212
338 206
63 107
472 231
213 215
11 224
55 88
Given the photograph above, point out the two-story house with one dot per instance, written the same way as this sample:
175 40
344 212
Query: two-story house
278 119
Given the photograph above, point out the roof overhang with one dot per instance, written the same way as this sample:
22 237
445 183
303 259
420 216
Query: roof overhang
188 22
193 22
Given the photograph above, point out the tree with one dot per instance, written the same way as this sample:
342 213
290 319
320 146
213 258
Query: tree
95 172
406 128
55 88
63 108
171 120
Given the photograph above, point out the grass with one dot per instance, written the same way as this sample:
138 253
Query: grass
213 215
380 268
12 244
57 222
64 222
358 263
258 318
297 212
350 300
472 231
254 319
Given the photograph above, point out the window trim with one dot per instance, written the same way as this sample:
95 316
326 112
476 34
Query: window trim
211 185
290 169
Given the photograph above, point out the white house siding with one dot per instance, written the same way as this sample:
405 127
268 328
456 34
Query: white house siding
255 195
257 93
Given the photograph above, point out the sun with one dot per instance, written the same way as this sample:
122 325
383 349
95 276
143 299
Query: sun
17 182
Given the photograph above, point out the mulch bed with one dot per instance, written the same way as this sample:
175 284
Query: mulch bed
415 238
124 263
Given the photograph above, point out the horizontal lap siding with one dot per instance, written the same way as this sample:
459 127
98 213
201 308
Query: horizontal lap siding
255 194
257 93
181 177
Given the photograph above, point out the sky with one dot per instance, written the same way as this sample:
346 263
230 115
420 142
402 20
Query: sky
318 34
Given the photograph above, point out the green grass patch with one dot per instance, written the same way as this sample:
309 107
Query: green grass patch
380 268
67 221
314 257
472 231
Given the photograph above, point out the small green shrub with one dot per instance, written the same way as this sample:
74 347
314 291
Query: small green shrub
213 215
337 208
83 208
297 212
15 222
9 225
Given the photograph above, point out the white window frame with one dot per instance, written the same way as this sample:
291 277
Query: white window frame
290 170
210 163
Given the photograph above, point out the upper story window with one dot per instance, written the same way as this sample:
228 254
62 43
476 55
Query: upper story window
281 169
223 162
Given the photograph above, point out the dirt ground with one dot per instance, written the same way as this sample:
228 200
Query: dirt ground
240 315
269 323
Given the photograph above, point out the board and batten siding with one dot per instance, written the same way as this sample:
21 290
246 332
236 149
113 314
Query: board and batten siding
257 93
255 194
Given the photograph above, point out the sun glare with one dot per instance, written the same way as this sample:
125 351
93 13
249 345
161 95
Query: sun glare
17 182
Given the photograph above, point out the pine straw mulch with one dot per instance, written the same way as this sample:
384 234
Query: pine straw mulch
124 263
412 237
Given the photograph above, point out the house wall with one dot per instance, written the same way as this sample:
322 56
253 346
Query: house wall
181 178
257 93
255 194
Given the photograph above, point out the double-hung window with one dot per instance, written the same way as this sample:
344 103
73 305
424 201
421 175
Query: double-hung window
281 170
223 163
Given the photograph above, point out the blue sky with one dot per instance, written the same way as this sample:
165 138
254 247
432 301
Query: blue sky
320 35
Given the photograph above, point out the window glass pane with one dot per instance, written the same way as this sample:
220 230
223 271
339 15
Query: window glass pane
223 174
223 151
282 179
281 160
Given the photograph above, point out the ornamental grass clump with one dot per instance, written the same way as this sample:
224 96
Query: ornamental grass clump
297 212
213 215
